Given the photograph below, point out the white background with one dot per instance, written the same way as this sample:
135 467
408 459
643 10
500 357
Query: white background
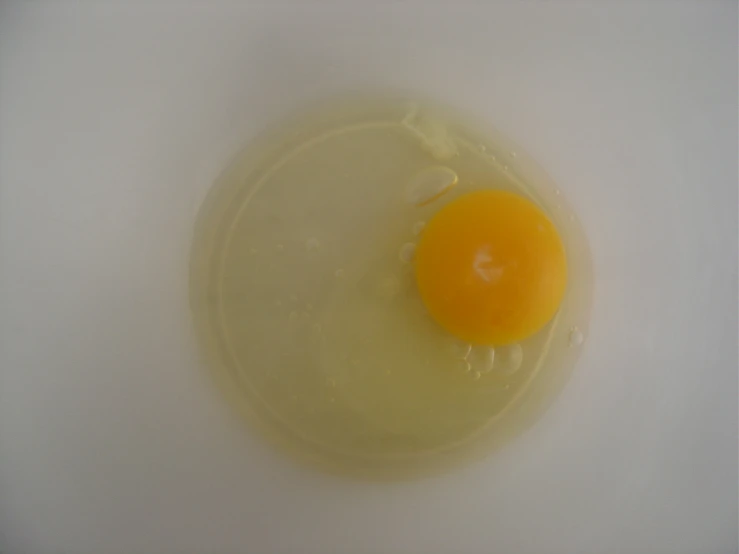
115 119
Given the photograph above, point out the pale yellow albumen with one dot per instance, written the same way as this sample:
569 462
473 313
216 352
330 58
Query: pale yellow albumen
303 292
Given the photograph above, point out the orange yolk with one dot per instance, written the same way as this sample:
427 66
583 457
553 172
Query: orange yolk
491 268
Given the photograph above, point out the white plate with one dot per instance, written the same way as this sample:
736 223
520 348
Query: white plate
116 118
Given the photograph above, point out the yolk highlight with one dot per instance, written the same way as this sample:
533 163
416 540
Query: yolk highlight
491 268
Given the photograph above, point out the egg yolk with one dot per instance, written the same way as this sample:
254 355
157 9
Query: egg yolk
491 267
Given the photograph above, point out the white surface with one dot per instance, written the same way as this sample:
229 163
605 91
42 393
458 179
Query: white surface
115 119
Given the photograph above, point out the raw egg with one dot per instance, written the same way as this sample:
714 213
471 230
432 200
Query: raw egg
381 289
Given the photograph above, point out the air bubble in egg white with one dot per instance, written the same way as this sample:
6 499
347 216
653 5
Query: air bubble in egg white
508 358
462 366
482 358
407 251
429 184
459 349
418 227
433 134
576 337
